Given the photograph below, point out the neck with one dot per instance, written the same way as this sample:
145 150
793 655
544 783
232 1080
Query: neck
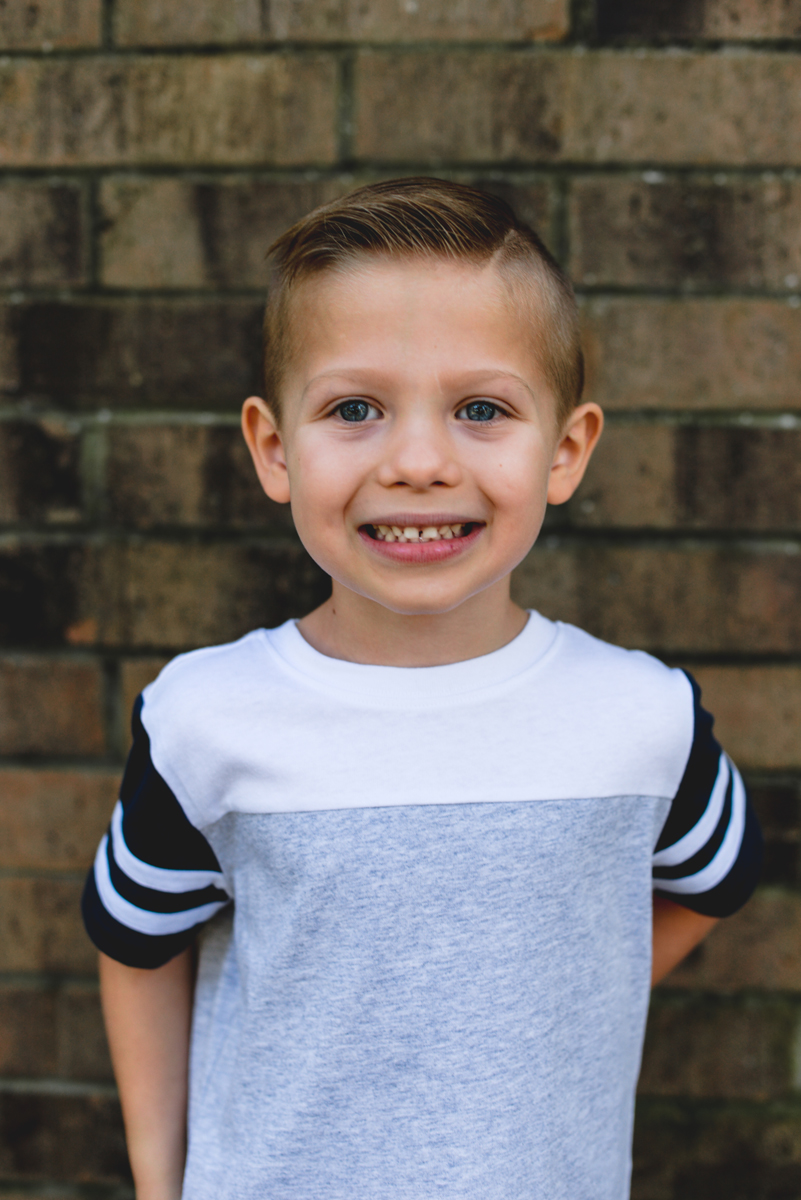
354 628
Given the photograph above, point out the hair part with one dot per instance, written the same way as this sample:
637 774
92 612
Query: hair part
422 217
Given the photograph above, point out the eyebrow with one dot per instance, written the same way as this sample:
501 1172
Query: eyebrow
365 376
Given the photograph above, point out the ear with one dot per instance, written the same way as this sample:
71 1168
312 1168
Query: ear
577 441
260 430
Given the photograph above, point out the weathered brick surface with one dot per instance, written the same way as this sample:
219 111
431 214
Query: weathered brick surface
731 19
50 706
48 24
778 807
590 107
758 712
42 235
690 477
757 948
53 820
226 109
187 475
154 22
692 354
671 600
48 1031
63 1137
740 1051
41 927
658 232
148 354
40 478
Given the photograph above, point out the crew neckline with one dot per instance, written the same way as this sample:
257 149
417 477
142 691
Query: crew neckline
388 684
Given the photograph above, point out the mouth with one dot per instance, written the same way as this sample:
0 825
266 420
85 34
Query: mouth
421 533
409 541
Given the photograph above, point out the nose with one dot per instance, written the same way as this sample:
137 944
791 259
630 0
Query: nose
420 454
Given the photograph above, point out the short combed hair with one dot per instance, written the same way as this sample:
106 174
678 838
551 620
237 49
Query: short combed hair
421 217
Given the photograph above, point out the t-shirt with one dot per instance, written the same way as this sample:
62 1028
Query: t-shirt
425 901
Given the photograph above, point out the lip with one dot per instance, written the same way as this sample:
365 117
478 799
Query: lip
421 553
423 518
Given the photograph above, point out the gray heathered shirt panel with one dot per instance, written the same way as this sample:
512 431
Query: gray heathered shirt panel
424 1000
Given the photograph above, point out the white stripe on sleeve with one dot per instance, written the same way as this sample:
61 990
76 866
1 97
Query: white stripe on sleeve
716 870
702 831
160 879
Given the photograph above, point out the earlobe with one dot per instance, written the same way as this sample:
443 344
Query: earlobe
261 433
578 440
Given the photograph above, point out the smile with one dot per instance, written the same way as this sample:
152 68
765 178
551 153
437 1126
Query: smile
420 533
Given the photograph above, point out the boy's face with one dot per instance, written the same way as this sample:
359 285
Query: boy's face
414 402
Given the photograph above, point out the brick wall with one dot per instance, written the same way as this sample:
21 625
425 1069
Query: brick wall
149 151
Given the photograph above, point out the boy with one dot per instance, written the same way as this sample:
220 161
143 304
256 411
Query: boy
420 827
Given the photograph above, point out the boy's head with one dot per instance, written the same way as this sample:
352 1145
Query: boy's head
423 374
426 218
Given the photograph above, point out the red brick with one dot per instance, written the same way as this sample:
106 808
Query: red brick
657 232
73 1139
710 1051
588 107
165 354
701 354
50 24
757 948
42 233
757 712
40 476
51 706
41 927
668 599
221 109
154 22
667 476
187 475
53 820
730 19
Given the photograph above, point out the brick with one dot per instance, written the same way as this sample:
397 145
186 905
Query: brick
183 354
135 674
723 1050
714 1153
42 235
69 1138
53 1032
667 477
170 233
195 475
219 109
778 809
82 1047
685 233
40 477
692 354
757 948
152 595
731 19
50 24
667 599
9 364
53 820
51 706
41 927
594 107
157 23
757 712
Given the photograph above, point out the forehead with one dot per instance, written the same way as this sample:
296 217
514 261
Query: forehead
412 316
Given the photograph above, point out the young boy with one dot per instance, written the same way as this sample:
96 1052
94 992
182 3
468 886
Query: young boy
419 827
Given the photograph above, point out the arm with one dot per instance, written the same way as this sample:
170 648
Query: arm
148 1015
677 931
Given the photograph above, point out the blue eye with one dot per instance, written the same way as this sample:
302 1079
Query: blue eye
480 410
354 410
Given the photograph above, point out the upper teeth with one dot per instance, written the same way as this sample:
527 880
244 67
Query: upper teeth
416 533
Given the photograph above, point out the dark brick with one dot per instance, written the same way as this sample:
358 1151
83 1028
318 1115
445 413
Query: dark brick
779 811
49 23
53 1031
53 820
718 1050
51 706
41 927
39 472
144 354
186 475
42 232
82 1046
70 1138
39 594
732 19
757 711
654 232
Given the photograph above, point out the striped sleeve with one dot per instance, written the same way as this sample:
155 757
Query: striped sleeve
709 853
155 877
